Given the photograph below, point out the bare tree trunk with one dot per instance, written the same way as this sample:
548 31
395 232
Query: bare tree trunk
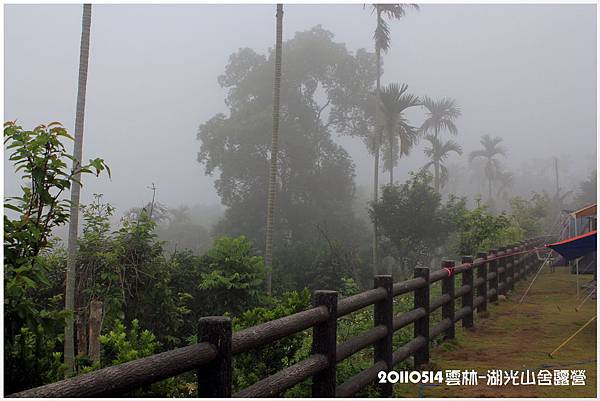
375 199
378 137
274 150
95 328
82 346
75 187
436 183
391 160
436 165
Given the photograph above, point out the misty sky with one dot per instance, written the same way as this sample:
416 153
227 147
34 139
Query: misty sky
524 72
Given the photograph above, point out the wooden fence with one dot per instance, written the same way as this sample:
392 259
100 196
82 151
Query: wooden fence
483 279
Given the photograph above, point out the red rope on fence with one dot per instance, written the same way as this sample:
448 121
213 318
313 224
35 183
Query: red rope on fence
471 265
516 253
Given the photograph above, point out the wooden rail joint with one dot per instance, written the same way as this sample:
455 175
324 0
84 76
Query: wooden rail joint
384 316
324 342
448 286
214 378
421 326
467 299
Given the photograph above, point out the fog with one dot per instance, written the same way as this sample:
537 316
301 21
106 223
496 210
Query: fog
526 73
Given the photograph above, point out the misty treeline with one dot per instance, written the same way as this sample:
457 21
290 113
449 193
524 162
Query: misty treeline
142 283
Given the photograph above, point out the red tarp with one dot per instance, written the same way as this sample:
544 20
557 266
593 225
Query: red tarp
575 247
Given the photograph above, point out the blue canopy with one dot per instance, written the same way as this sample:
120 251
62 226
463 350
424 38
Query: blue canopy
575 247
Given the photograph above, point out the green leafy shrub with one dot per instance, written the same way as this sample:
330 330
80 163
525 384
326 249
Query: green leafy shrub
233 276
120 346
32 320
257 364
479 230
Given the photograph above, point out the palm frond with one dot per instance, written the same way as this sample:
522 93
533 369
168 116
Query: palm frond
449 125
440 114
382 31
477 153
451 146
428 165
408 136
382 35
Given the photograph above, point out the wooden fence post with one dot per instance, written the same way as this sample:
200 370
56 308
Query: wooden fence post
527 260
95 322
524 258
494 281
448 285
467 299
532 258
517 262
82 332
324 342
421 326
384 316
214 378
510 268
502 265
482 288
522 271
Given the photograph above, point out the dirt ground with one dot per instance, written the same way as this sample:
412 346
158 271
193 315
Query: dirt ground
520 337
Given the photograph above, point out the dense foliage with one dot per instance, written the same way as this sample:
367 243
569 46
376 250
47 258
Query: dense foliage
316 175
31 322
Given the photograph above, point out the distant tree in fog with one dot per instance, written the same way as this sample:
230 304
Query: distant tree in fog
393 102
438 151
505 180
440 116
587 191
382 43
491 149
315 175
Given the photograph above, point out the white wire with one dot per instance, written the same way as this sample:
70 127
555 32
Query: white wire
532 281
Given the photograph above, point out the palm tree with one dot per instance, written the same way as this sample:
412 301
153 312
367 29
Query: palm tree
84 52
505 181
382 43
393 102
274 148
491 149
440 115
438 151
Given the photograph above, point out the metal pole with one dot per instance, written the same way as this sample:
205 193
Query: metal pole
576 260
571 337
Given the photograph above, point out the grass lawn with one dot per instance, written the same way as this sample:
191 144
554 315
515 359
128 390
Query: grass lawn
519 337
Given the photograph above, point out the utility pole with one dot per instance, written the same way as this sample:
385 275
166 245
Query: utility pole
153 188
556 177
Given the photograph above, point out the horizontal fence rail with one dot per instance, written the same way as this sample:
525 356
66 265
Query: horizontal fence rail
482 280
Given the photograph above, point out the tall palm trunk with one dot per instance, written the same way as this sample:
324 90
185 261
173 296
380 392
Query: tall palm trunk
378 140
436 181
490 189
391 140
84 53
274 149
375 198
436 165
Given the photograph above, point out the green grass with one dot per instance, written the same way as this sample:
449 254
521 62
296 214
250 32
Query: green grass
520 336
